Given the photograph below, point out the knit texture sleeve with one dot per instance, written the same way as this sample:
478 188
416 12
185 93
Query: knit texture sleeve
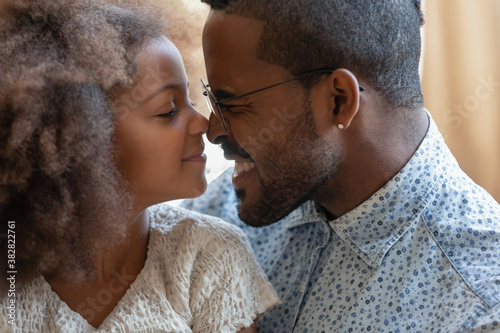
229 290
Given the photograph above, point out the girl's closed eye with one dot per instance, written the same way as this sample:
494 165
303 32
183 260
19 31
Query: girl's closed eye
169 114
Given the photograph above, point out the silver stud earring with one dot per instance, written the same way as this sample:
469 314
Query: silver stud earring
340 126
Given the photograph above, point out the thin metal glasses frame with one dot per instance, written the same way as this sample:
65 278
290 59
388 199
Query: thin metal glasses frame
211 100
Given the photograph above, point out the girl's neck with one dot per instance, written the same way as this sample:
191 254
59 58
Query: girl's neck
117 267
129 253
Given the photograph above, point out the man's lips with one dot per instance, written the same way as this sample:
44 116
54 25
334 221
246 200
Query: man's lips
233 153
241 170
243 163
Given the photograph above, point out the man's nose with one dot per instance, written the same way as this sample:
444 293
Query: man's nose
216 133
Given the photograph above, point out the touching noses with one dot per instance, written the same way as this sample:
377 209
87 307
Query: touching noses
216 133
198 124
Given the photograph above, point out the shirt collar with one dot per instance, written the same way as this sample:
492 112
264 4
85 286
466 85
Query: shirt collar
373 227
306 213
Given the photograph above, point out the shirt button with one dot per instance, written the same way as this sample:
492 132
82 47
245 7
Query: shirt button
302 286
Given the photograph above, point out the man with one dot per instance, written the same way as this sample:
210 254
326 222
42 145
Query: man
366 222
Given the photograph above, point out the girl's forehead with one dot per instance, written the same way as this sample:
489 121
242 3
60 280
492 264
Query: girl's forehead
160 62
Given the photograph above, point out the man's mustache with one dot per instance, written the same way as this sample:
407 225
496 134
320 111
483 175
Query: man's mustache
231 150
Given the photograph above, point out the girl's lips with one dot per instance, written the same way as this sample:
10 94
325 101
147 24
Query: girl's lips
196 158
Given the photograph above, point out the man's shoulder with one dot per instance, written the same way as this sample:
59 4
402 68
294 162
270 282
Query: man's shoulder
458 202
464 220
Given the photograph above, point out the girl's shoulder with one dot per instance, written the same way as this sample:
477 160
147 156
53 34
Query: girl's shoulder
174 224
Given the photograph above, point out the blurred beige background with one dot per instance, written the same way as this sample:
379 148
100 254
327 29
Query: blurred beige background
461 83
460 78
185 20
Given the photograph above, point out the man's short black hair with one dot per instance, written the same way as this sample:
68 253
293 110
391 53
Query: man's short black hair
379 40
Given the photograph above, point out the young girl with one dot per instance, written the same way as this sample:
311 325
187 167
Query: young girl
97 127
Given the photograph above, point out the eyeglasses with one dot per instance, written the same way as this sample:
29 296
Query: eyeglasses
214 104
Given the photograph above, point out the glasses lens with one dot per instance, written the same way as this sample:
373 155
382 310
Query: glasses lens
210 102
208 98
214 108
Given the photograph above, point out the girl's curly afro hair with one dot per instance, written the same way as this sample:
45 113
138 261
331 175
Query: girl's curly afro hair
60 61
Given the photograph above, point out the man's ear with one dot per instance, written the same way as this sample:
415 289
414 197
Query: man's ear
335 101
345 92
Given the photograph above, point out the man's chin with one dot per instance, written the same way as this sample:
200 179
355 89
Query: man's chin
256 214
251 219
244 210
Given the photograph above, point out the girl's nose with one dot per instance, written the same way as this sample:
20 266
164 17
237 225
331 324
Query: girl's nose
199 124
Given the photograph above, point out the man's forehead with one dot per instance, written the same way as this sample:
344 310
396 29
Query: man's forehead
239 24
231 37
230 45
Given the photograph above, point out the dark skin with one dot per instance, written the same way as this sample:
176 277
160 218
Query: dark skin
373 145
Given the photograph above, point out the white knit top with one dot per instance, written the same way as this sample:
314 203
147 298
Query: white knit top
200 275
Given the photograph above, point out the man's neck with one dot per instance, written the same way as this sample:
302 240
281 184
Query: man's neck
372 162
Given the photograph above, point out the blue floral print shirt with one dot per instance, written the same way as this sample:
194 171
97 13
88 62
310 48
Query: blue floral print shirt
422 254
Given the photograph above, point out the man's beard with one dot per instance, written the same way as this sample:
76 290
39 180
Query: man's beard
304 163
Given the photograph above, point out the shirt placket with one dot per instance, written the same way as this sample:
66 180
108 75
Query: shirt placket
321 240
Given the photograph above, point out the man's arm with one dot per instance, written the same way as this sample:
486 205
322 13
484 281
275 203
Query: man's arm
251 329
489 323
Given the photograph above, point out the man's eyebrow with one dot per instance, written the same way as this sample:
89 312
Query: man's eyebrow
223 94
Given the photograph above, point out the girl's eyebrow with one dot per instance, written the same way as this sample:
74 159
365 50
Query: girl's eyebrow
163 88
